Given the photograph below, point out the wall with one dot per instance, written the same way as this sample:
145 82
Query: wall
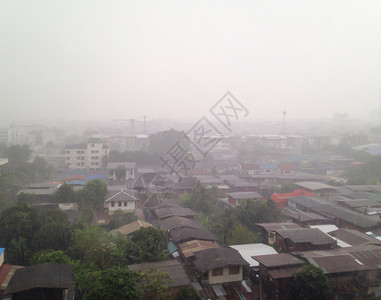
226 277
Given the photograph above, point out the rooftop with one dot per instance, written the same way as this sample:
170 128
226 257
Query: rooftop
247 251
217 258
174 268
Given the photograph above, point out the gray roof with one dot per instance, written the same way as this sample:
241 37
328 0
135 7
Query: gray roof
360 203
245 195
312 236
174 268
277 226
47 275
174 211
278 260
121 195
37 192
217 258
353 237
335 211
176 222
187 233
315 186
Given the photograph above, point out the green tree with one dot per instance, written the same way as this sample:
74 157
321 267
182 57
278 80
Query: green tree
148 244
110 284
92 247
240 235
93 193
120 218
65 193
50 256
154 284
120 172
310 283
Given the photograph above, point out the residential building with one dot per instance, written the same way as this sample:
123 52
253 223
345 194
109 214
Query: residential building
235 199
86 156
43 281
219 265
124 200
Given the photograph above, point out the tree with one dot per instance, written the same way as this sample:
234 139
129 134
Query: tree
50 256
93 193
187 293
310 283
110 284
161 142
154 284
120 218
148 244
120 172
240 235
65 193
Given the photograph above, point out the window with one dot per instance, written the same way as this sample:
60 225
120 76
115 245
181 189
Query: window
78 164
218 272
112 204
92 145
119 204
67 152
234 270
125 203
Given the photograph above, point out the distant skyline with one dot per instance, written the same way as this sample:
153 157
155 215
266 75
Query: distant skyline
90 59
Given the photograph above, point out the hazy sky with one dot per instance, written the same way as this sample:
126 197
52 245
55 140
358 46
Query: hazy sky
93 59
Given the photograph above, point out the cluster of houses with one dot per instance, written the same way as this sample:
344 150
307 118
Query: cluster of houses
335 228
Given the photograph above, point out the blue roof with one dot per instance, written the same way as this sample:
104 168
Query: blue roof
268 166
95 176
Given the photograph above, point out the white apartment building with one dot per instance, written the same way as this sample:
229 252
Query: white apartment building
86 156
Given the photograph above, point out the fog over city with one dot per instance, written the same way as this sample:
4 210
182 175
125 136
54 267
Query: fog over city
106 60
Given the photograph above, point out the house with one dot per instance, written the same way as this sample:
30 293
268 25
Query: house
304 219
249 169
247 251
268 230
281 199
317 188
41 196
353 272
353 237
341 216
184 234
243 186
123 200
186 185
275 274
188 249
219 265
43 281
130 168
88 155
176 222
166 212
235 199
130 228
302 239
